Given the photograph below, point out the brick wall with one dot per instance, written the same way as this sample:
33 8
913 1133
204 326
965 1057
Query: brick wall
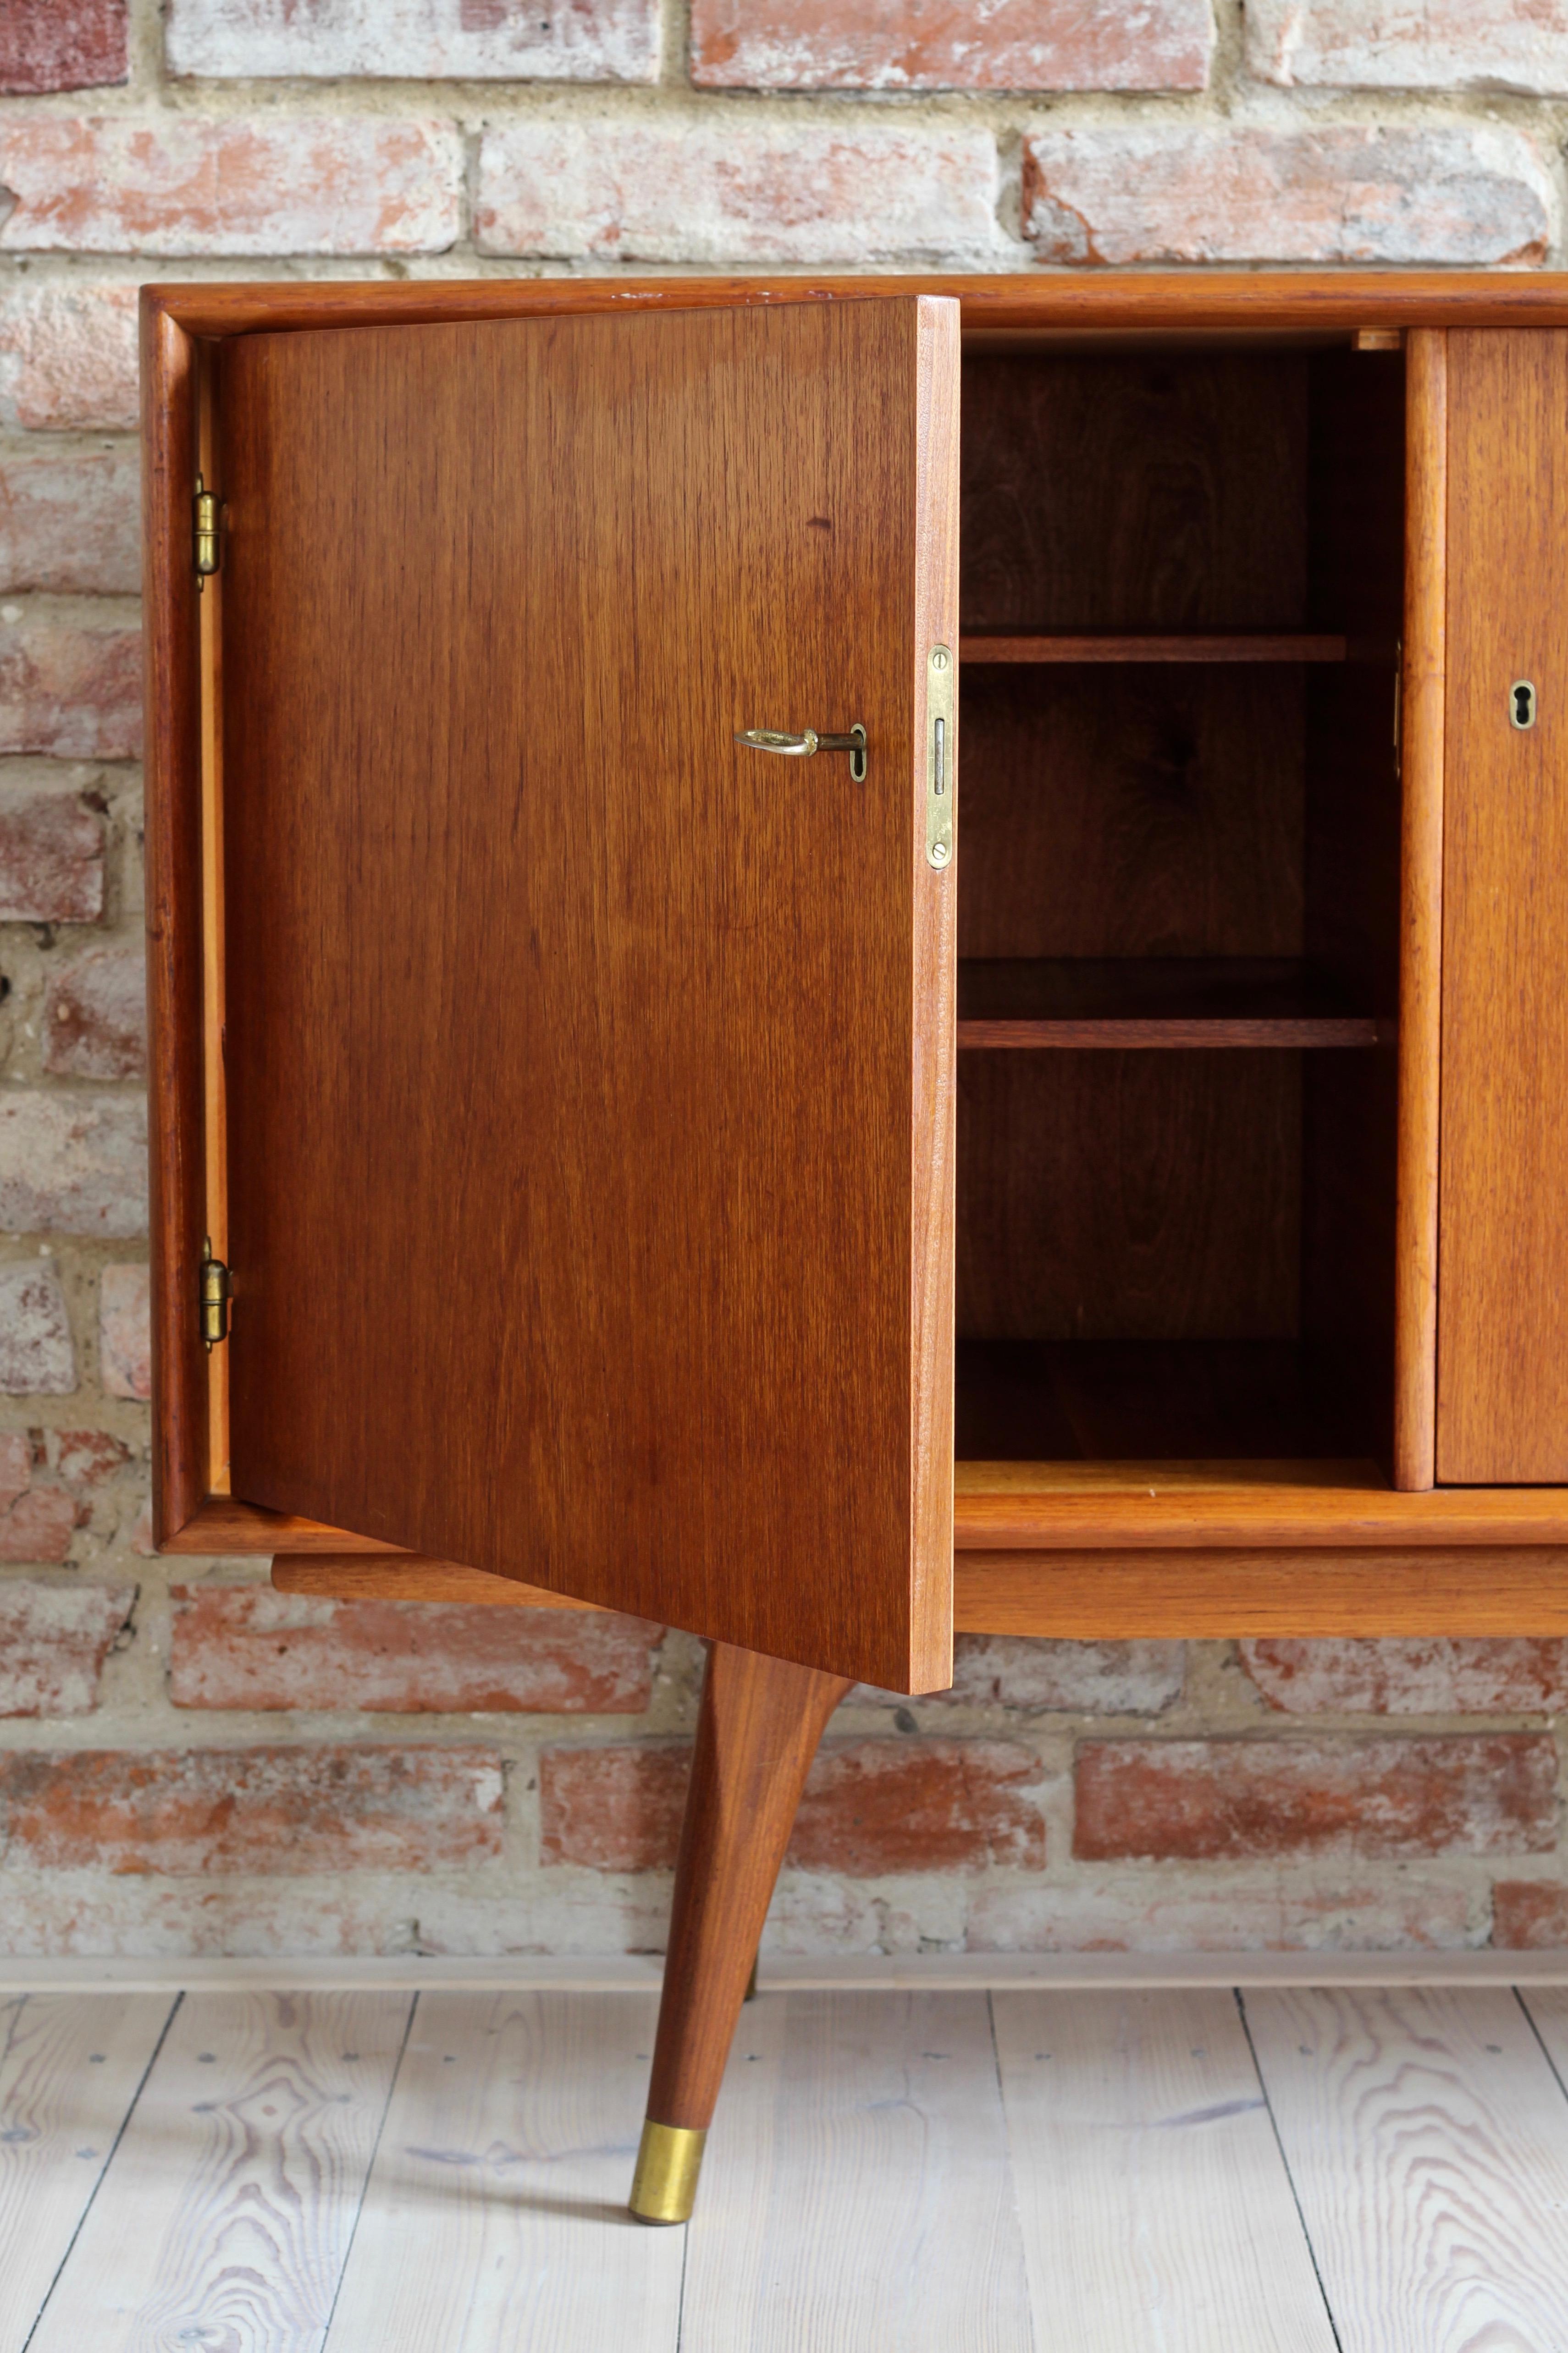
178 1771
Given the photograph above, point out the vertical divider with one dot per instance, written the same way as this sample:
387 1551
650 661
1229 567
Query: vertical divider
1422 691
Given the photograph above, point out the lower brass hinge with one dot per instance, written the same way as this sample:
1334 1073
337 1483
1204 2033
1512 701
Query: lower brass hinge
217 1288
206 525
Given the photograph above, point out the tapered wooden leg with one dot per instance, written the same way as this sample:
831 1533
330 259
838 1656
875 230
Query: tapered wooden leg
756 1736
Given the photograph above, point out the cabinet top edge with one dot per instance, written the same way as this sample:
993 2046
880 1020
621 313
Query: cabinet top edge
1140 302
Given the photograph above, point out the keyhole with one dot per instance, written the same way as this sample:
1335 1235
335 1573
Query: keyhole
1522 706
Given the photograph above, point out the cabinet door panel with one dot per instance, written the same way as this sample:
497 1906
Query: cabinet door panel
589 1075
1502 1347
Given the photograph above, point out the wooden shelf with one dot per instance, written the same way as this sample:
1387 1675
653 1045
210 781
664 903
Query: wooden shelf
1250 646
1163 1001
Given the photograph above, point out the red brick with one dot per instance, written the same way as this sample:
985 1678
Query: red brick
82 1460
61 45
1411 193
870 1807
71 521
1236 1800
73 1163
903 45
95 1015
1530 1916
68 353
265 183
246 1646
51 856
592 40
1430 1676
734 192
54 1639
612 1809
36 1524
71 684
878 1805
15 1466
1445 44
125 1331
37 1356
270 1811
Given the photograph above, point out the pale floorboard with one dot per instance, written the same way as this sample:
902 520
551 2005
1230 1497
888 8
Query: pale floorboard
69 2066
1547 2008
1099 2172
856 2190
226 2217
1428 2140
496 2218
1157 2210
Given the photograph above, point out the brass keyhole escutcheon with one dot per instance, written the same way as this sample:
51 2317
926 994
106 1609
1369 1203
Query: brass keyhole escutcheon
1521 703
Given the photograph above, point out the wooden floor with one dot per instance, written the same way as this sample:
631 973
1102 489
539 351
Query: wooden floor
1379 2171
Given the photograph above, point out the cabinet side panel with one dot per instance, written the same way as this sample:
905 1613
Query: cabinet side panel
1422 692
174 897
1502 1367
935 1017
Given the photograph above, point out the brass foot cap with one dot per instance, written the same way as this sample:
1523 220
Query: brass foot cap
664 2187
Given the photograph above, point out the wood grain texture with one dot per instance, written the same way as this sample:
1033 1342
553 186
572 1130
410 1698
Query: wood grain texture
856 2187
445 910
1134 493
1547 2009
1223 1594
1145 811
1182 1506
1422 707
980 648
1089 1595
226 2215
173 769
357 1577
1428 2140
496 2213
1503 1370
1236 305
70 2068
1128 1196
220 1524
757 1732
1160 1001
1157 2209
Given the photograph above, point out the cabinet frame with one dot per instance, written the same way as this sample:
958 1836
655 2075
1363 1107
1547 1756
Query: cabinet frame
1067 1512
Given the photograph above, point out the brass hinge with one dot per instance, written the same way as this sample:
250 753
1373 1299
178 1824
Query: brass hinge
206 523
217 1288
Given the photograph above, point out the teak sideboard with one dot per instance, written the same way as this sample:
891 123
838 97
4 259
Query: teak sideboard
622 1137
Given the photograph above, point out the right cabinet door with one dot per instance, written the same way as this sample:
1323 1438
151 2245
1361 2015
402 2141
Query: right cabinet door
1502 1286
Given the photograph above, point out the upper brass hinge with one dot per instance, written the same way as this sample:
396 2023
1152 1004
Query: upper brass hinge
217 1288
206 525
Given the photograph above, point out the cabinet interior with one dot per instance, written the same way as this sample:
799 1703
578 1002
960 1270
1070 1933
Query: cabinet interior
1178 903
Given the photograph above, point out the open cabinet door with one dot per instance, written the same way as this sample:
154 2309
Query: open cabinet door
589 1074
